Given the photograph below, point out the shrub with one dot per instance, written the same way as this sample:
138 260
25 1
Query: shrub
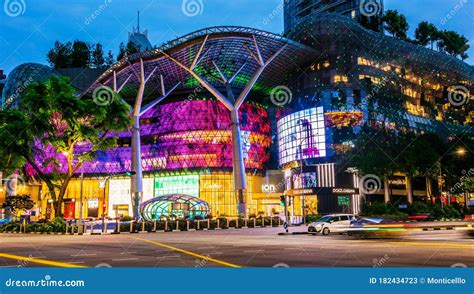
418 207
126 218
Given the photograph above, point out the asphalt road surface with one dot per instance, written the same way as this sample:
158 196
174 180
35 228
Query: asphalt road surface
260 247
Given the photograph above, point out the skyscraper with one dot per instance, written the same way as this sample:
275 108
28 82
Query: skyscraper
366 12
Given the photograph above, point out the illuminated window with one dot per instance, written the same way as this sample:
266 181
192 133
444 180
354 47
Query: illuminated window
340 79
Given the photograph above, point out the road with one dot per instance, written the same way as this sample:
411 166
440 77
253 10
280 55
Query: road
260 247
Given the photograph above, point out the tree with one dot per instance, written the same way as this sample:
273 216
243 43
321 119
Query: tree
131 48
454 44
426 33
371 23
56 123
98 60
432 147
374 154
59 55
109 60
80 55
396 24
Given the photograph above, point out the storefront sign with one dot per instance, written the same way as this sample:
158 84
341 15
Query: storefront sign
344 191
298 192
268 189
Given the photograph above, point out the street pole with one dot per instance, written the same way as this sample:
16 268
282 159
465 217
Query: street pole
81 228
441 185
287 220
303 197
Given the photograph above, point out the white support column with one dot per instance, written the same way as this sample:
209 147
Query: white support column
136 182
136 188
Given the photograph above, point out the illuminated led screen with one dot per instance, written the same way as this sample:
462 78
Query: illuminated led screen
187 185
301 135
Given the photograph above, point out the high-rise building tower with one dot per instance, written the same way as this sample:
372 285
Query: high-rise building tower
366 12
139 38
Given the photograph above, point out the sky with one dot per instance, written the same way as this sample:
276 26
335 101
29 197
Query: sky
29 28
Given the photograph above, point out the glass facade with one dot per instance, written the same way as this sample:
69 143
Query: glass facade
19 79
218 190
190 134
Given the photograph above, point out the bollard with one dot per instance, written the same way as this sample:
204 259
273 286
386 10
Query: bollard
187 225
271 221
218 224
143 226
92 228
177 225
245 223
154 225
67 227
227 223
254 222
208 224
131 226
166 225
263 222
199 224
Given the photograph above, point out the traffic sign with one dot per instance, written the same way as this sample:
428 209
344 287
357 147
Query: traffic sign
343 200
285 225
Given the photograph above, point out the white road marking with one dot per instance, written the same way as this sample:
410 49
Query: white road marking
124 259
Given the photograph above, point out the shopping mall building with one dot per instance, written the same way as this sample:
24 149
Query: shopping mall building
237 117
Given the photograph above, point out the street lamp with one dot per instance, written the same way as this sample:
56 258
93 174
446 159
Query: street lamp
461 151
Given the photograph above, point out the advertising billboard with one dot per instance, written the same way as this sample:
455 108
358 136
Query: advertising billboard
301 135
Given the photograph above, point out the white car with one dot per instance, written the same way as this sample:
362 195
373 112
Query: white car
332 223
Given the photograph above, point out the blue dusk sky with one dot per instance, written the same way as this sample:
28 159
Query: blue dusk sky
29 28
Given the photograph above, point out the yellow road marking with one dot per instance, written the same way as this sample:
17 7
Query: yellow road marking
40 261
446 244
189 253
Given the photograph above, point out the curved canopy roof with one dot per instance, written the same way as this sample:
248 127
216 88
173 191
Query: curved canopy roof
182 206
234 50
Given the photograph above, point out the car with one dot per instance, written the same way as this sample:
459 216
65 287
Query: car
332 223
